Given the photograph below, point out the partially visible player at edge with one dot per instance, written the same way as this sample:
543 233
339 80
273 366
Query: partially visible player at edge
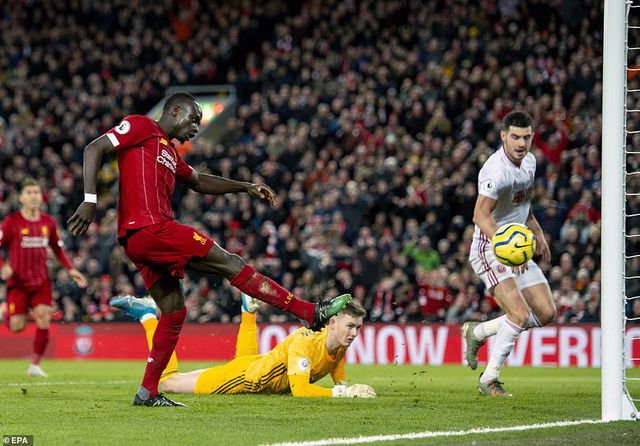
160 247
26 234
292 366
505 189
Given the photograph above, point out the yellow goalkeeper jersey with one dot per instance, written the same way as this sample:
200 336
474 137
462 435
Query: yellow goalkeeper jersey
301 358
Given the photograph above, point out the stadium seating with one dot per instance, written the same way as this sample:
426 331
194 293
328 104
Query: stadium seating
370 119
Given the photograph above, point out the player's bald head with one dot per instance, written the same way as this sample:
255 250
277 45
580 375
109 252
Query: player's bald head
181 116
181 99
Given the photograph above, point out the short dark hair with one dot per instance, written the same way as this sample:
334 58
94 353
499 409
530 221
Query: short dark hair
28 181
179 98
355 309
517 119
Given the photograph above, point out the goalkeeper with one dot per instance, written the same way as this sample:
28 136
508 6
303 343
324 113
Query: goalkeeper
294 365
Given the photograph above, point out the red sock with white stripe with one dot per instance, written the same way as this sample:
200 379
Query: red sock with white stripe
254 284
164 343
39 344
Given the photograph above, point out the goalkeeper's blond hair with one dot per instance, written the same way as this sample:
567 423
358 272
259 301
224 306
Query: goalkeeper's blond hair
354 308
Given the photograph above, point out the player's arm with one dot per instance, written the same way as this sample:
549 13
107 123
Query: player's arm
56 247
338 374
542 248
301 387
483 217
300 354
299 370
214 185
343 390
86 212
5 270
5 235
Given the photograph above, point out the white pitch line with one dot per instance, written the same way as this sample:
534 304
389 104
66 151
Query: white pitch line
69 383
432 434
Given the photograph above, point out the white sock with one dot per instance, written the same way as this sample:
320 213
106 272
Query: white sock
486 329
505 339
489 328
146 317
533 321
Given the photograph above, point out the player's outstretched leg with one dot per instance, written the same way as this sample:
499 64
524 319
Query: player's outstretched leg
135 307
326 309
492 388
256 285
473 344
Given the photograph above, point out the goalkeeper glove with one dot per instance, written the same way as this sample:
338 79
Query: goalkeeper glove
354 391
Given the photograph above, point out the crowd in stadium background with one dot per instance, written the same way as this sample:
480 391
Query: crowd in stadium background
370 119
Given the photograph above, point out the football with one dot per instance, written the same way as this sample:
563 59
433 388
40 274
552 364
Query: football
513 244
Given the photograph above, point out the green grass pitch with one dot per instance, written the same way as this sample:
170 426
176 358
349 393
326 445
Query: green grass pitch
89 402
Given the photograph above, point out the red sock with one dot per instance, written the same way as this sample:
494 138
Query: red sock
251 282
39 344
164 342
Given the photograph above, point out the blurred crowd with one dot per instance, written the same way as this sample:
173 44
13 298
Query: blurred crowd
370 119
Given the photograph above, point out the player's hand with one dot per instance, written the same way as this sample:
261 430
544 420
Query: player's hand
263 192
354 391
542 250
78 278
6 271
520 269
360 391
79 222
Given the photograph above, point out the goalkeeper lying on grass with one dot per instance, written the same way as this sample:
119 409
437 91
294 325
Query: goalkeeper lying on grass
301 359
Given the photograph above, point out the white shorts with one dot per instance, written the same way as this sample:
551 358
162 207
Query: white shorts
492 272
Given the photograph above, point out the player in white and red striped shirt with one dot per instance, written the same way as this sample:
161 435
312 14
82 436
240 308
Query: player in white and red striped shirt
505 189
26 234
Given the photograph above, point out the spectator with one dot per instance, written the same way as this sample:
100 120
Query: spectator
422 253
347 112
434 295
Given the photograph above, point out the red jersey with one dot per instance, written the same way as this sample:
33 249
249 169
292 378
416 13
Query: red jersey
433 298
149 166
27 243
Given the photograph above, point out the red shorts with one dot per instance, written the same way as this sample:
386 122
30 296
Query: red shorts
20 300
165 247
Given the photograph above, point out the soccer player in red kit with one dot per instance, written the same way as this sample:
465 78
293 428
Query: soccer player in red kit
160 247
26 234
